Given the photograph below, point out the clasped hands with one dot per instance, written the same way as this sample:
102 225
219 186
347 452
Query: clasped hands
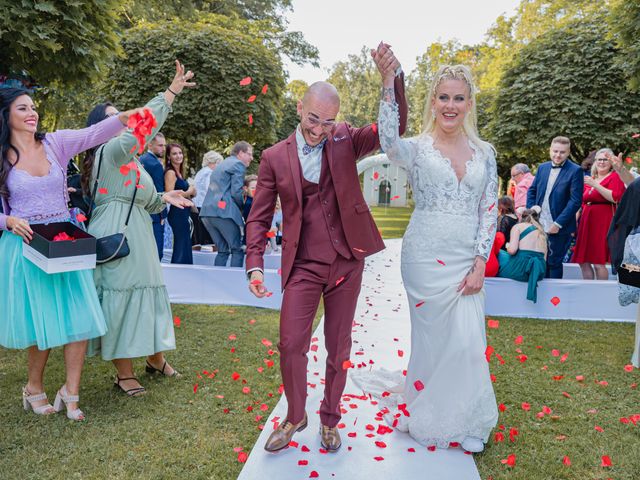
386 62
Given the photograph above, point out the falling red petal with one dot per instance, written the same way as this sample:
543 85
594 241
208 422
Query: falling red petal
222 204
376 175
440 262
81 218
339 281
555 301
419 304
103 191
127 183
395 197
418 385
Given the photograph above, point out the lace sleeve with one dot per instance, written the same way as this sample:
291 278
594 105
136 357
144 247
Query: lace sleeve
488 210
398 150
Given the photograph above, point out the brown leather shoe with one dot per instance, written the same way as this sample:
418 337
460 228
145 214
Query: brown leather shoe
330 438
282 435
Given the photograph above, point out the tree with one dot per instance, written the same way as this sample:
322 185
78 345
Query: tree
358 83
58 42
624 20
266 18
217 112
289 121
566 82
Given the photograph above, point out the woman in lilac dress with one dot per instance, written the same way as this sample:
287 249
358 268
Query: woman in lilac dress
40 311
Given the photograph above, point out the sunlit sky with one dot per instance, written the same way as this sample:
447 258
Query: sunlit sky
341 27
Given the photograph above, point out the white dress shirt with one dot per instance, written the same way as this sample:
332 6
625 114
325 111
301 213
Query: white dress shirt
202 185
311 162
545 214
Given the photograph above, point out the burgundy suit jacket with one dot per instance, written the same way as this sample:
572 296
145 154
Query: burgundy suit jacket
280 173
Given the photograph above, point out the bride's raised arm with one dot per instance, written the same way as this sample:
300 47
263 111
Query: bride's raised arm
398 150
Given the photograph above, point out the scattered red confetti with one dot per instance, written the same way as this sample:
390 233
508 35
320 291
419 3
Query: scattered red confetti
580 378
142 125
124 169
555 353
498 437
491 207
235 376
488 352
395 197
359 250
376 175
195 388
222 204
265 88
246 390
431 448
555 301
103 191
629 160
606 461
266 343
305 449
232 336
303 462
523 358
513 433
598 428
141 187
419 304
176 321
242 457
546 410
256 282
510 460
81 218
564 357
502 407
400 353
419 386
566 461
251 99
526 406
250 119
440 262
245 81
314 474
270 235
380 444
127 183
374 127
518 340
339 281
378 459
411 450
635 135
628 368
347 364
493 323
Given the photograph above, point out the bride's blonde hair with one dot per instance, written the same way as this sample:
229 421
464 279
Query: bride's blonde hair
470 124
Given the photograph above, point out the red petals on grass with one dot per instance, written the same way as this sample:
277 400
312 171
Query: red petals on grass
265 88
606 461
566 461
526 406
245 81
251 99
510 460
493 323
176 321
628 368
488 352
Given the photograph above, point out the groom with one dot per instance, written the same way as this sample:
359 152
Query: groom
328 231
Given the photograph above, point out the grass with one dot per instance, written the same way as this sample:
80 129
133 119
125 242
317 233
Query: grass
174 432
392 222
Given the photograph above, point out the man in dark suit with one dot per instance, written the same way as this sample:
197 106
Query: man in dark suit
221 211
557 189
327 232
152 163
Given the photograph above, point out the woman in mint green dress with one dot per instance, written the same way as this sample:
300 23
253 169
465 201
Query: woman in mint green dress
525 258
131 289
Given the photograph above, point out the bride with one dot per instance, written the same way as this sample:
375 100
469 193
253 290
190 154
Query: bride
447 395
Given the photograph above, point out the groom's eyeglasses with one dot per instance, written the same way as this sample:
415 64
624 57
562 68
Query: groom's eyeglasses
313 122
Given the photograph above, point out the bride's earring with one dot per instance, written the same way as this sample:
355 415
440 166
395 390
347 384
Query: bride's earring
433 114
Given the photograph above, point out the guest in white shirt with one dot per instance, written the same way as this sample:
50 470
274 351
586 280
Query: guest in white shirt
209 162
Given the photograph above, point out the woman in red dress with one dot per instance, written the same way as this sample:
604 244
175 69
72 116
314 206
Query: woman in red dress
602 192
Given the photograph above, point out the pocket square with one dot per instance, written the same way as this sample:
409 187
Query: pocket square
337 139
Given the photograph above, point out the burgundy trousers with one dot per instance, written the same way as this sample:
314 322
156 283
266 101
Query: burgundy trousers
339 283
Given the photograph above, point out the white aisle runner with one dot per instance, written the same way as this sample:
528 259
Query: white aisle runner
381 338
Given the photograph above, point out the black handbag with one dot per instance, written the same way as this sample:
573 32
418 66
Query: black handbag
629 274
112 246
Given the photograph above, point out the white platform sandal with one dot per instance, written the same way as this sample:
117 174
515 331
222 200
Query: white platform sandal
28 400
62 399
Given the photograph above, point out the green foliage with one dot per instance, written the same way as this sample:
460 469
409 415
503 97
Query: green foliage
358 83
216 112
266 19
67 41
566 82
625 23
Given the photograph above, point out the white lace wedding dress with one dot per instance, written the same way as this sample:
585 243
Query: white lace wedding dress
453 222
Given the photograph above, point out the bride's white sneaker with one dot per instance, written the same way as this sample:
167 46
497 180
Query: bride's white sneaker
473 445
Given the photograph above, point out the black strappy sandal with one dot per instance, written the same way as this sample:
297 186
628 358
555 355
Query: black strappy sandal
151 370
132 392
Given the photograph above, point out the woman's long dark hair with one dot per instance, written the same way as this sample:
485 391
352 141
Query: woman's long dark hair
7 97
167 160
96 115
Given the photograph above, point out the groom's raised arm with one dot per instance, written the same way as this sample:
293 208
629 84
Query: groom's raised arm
365 139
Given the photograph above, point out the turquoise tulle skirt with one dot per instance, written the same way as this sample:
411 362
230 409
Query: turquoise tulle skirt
47 310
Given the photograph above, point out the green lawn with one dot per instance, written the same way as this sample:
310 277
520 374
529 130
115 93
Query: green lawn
392 222
188 427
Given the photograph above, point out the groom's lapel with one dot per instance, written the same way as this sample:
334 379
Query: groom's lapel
294 164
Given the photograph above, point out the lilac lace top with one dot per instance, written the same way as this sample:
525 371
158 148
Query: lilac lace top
44 199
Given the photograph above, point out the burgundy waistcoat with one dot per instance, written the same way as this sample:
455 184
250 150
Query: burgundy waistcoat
321 234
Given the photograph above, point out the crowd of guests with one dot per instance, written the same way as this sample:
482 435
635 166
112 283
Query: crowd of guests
561 214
